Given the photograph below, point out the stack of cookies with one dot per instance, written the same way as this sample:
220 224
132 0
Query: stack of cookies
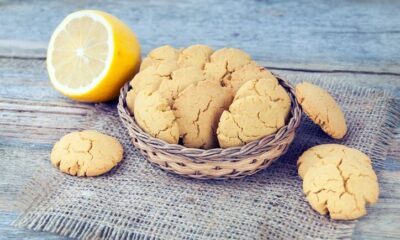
337 180
205 99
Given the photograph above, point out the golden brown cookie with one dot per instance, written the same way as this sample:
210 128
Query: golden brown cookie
223 63
260 108
86 153
266 88
342 188
154 116
250 71
195 56
233 67
323 110
339 180
249 119
179 81
330 153
147 79
159 55
198 109
233 58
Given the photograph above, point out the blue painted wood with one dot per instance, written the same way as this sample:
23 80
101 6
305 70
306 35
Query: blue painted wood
355 35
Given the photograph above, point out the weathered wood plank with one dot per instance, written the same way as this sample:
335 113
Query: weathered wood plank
9 232
350 35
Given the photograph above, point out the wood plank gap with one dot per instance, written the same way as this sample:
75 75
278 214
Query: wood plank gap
333 71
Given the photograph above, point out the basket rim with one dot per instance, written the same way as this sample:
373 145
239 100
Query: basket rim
251 149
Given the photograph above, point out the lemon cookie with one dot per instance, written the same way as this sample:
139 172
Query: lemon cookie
323 110
154 116
233 58
158 55
266 88
248 119
195 56
330 153
147 79
198 109
179 81
223 62
260 108
86 153
342 188
250 71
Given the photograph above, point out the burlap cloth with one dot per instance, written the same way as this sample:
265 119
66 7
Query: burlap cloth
139 201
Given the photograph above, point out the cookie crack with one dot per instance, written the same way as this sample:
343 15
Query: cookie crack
67 148
226 75
319 156
265 123
169 126
346 190
207 106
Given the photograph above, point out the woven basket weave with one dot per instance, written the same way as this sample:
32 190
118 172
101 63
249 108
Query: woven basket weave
217 163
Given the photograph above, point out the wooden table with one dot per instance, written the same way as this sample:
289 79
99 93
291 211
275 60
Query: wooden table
354 40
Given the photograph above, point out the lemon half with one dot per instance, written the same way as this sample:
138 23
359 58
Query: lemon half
90 56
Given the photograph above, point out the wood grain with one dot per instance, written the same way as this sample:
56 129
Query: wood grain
336 35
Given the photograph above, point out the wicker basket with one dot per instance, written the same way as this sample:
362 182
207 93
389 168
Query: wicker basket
214 163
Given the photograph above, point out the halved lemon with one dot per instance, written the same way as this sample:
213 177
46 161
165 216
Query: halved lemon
91 54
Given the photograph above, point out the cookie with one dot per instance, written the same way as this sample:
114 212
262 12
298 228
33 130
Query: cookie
179 81
260 108
86 153
338 180
195 56
223 63
249 119
330 153
233 67
154 115
322 108
342 189
266 88
198 109
248 72
233 58
158 55
147 79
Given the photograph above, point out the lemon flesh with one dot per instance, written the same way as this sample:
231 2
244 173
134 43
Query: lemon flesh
91 54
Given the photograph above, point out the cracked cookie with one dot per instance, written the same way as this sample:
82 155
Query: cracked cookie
86 153
332 153
147 79
179 81
265 88
195 56
198 109
154 115
260 108
338 180
159 55
248 72
233 67
322 108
